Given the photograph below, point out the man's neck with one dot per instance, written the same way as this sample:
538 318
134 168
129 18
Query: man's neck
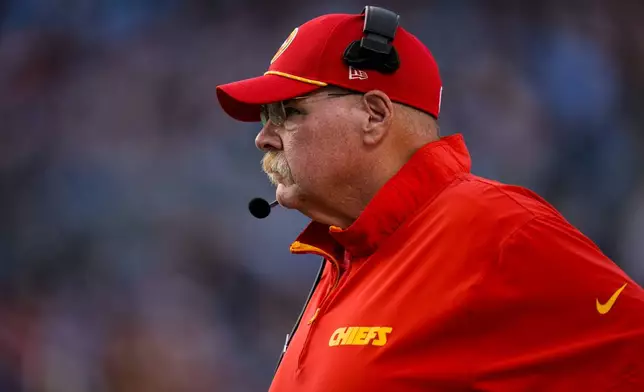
340 214
343 213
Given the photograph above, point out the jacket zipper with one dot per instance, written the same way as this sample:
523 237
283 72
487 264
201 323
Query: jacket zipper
299 248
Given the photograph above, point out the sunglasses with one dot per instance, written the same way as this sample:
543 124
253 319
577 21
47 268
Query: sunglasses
276 112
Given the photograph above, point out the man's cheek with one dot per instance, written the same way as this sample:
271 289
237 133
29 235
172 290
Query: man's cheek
307 171
291 162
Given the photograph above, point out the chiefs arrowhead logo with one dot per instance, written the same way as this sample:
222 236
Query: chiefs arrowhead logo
285 45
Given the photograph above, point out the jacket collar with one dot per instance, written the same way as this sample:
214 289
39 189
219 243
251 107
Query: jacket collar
430 170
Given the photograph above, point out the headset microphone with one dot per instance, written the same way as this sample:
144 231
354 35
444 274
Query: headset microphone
260 208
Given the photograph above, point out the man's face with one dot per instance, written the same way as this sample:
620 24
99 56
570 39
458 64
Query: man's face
313 154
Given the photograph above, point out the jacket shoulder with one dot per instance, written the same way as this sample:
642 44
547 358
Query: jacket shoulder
473 206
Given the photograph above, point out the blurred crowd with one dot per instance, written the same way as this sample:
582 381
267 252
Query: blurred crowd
128 260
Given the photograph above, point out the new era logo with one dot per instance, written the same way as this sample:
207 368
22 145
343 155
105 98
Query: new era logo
357 74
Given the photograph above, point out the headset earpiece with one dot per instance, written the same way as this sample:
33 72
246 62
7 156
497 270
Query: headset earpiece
375 50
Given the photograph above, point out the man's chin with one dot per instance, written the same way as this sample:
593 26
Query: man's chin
291 197
286 195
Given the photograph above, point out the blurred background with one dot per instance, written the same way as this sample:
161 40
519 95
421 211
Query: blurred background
128 260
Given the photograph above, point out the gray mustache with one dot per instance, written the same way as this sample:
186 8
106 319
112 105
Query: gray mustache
274 164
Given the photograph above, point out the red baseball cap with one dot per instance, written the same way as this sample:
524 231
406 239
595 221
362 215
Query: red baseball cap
312 57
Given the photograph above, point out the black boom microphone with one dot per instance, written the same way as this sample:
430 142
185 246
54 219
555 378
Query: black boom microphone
260 208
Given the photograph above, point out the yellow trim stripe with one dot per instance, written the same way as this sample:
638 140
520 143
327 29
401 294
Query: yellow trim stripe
298 78
315 315
299 247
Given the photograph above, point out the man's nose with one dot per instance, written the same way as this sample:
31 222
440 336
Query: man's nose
267 139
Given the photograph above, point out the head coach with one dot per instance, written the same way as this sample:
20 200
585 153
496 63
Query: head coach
433 279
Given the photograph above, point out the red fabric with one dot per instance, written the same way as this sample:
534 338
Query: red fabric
316 53
257 91
485 288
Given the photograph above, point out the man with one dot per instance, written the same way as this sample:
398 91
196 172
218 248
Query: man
434 279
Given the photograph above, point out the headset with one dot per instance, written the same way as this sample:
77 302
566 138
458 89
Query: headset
373 51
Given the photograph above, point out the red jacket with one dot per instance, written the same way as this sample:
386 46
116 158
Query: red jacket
451 282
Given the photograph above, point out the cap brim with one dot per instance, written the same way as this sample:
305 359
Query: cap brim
242 100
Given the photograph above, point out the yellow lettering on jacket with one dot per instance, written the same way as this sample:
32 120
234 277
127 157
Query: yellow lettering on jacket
340 334
382 336
359 340
360 336
354 331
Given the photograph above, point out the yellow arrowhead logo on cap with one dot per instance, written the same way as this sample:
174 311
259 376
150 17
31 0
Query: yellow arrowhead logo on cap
285 45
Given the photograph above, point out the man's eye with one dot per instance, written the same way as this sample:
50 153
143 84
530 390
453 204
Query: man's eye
291 111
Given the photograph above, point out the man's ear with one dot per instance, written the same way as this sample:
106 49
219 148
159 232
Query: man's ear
381 111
